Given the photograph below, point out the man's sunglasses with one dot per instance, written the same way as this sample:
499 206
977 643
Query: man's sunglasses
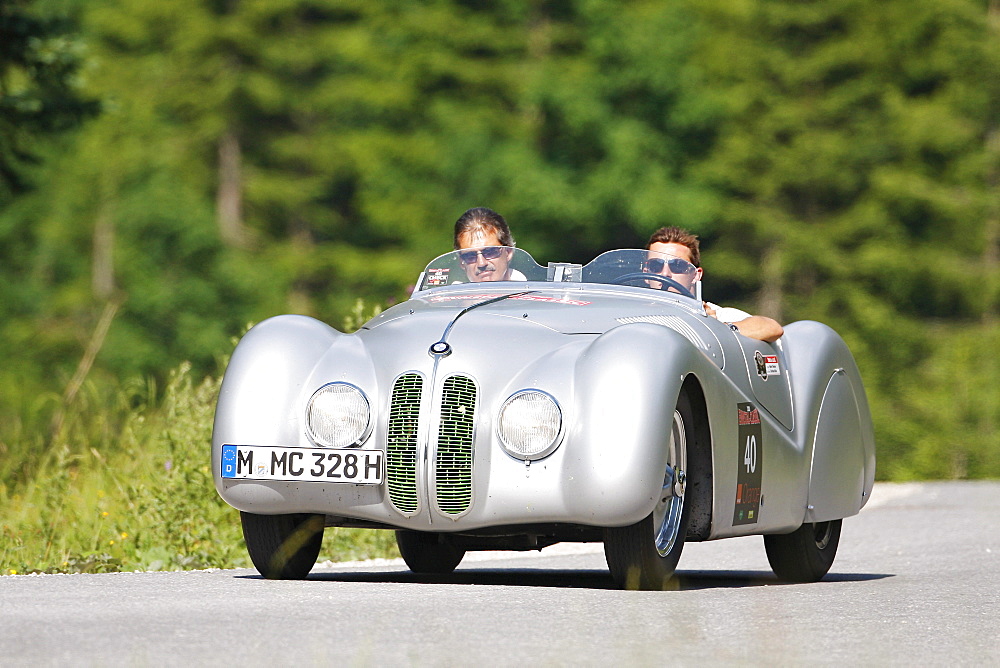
654 265
488 253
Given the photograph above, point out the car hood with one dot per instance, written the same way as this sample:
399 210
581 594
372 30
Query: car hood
571 310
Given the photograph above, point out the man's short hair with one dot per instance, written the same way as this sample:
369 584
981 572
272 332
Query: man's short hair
481 218
676 235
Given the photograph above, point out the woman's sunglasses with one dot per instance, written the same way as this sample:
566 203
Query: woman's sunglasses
654 265
488 253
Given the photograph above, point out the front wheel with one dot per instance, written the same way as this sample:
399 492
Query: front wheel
644 555
283 547
806 554
426 552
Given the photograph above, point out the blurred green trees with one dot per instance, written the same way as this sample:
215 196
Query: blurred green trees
841 161
40 57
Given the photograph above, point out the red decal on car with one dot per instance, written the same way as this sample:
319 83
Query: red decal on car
524 298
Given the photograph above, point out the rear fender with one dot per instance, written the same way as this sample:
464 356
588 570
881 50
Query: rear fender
836 422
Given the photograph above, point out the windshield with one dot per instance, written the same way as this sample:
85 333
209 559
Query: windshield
633 266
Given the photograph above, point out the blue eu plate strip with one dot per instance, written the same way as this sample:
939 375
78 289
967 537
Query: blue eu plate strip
228 461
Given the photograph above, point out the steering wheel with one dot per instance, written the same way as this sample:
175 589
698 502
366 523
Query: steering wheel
665 281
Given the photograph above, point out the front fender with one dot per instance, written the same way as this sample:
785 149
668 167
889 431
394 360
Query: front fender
261 396
628 382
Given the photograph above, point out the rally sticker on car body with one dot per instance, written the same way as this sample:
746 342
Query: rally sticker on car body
767 365
749 465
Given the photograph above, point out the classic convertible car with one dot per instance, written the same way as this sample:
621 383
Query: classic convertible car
570 402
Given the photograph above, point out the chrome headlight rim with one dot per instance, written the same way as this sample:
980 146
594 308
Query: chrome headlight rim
547 450
326 443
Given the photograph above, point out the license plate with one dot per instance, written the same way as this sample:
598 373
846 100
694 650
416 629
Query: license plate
265 462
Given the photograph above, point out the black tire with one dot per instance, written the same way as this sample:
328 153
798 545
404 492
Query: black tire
806 554
427 552
644 555
283 547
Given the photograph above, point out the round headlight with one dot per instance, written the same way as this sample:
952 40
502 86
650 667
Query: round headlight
529 424
337 415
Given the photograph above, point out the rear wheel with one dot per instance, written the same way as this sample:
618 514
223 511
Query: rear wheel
426 552
283 547
806 554
644 555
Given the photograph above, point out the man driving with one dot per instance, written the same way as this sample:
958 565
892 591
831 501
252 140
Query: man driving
673 267
674 253
485 246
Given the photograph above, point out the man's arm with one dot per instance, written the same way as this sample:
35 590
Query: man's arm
757 327
761 328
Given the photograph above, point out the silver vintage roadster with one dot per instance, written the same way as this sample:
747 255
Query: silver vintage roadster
570 402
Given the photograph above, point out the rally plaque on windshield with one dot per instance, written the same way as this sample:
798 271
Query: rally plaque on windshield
265 462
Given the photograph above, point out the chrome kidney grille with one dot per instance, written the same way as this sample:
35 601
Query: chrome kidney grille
453 470
453 464
401 442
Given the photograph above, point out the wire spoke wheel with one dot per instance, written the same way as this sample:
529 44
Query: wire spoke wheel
670 508
644 555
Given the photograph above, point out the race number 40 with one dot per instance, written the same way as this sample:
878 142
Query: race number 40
749 464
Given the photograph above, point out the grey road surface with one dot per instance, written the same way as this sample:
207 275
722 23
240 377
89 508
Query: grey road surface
915 583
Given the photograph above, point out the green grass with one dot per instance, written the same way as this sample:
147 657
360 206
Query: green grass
127 485
120 479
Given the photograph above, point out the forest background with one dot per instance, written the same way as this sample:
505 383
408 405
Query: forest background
173 171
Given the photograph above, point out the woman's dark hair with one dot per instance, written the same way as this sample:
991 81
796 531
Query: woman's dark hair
481 218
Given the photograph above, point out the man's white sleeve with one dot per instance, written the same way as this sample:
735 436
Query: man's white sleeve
728 314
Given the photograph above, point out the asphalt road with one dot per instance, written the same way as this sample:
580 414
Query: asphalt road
916 582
